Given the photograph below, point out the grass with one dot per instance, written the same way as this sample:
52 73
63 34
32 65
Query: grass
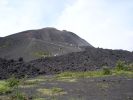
67 80
39 99
4 88
33 81
54 91
76 75
88 74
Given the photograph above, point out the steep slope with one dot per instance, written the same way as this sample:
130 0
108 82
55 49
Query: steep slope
34 44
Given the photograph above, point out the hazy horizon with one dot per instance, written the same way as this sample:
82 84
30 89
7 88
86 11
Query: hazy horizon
104 24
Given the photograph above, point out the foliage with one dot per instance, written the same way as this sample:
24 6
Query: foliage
4 88
106 71
86 74
12 82
42 54
52 91
120 69
120 65
18 96
130 67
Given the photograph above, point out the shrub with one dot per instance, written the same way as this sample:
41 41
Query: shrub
120 65
4 88
12 82
106 71
130 67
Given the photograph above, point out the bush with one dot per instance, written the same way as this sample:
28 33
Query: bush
120 65
106 71
12 82
130 67
4 88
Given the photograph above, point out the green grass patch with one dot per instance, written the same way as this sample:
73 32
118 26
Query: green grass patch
39 99
71 80
4 88
41 54
54 91
33 81
28 83
88 74
128 74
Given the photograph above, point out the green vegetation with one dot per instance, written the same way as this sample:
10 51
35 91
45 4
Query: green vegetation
13 82
41 54
71 80
39 99
121 69
30 83
18 96
4 88
33 81
120 65
8 85
106 71
12 85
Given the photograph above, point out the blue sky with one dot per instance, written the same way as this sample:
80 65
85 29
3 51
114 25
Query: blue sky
103 23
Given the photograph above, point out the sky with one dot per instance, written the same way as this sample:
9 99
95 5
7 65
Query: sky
103 23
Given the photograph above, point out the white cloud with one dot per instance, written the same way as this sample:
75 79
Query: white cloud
99 22
103 23
16 16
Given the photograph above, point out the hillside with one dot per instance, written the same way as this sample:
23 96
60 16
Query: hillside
33 44
90 59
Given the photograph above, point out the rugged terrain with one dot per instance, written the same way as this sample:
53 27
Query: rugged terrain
58 65
8 68
90 59
33 44
104 88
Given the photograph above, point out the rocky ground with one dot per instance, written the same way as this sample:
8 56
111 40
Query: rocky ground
104 88
90 59
9 68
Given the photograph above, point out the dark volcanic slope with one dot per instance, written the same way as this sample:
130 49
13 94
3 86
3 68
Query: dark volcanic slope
34 44
90 59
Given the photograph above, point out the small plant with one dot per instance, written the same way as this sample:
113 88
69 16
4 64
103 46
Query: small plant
120 65
130 67
106 71
18 96
57 90
12 82
4 88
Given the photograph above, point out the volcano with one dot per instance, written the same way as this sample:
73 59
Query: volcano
33 44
